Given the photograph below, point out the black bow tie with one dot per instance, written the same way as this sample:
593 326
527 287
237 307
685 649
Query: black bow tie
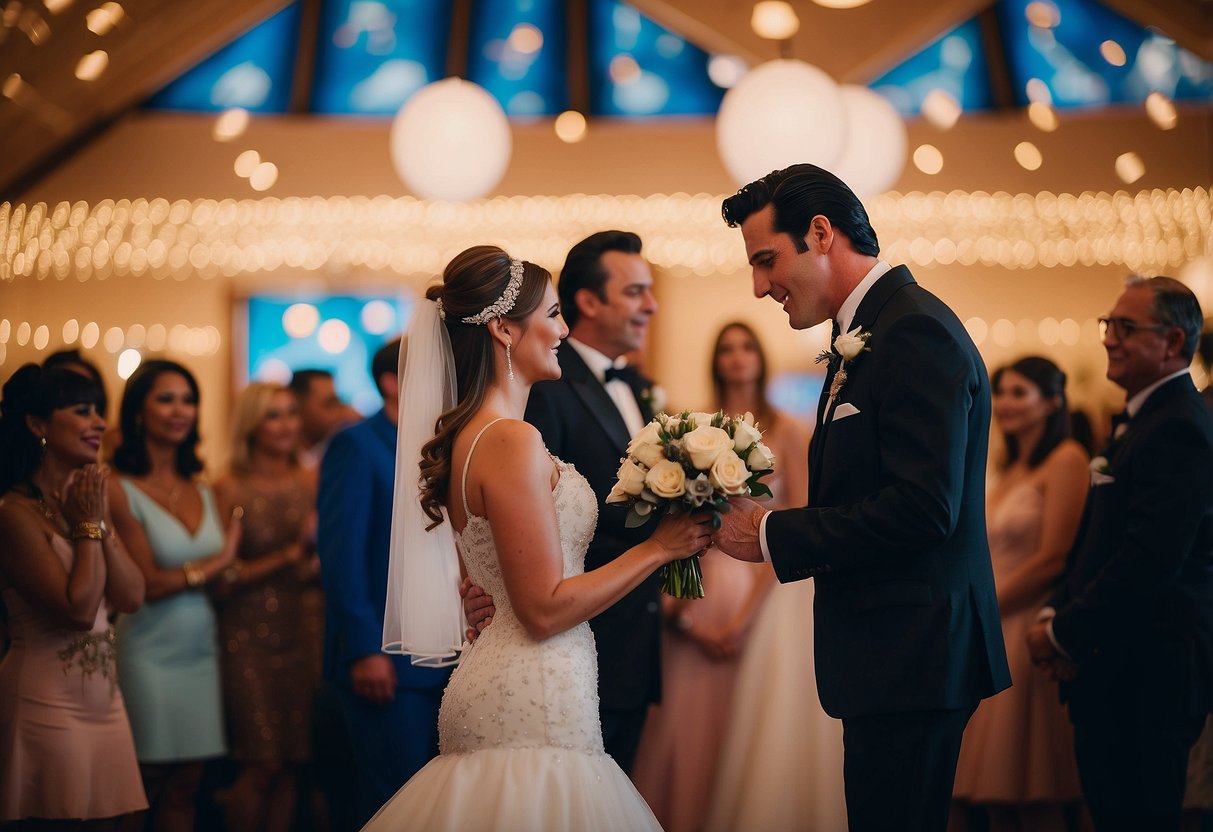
625 374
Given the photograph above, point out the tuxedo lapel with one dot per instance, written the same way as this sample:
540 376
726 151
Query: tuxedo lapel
595 397
882 290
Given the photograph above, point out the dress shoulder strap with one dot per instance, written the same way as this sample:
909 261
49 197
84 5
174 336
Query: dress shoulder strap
463 484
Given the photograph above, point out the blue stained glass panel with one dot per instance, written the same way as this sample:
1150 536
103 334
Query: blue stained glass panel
516 51
638 68
372 55
1067 56
352 327
254 72
955 62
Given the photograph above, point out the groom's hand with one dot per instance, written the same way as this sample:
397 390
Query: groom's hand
478 608
738 532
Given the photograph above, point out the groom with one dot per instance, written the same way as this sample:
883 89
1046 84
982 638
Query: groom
906 622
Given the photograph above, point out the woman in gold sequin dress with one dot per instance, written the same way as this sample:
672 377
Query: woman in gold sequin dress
267 679
66 751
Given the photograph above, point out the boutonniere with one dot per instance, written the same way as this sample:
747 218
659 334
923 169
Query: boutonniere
654 398
847 347
1101 466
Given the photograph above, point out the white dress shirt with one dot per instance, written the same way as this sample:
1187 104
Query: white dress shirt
846 314
619 391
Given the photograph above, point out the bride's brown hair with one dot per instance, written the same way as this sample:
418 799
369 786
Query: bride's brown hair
472 281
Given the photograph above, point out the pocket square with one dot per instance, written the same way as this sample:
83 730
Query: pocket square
844 410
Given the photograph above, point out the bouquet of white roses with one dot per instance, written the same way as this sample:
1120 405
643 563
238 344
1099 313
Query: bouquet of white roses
690 462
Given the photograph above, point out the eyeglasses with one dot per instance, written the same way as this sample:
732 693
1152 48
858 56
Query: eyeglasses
1124 328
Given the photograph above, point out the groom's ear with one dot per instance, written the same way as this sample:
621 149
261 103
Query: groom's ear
587 301
820 236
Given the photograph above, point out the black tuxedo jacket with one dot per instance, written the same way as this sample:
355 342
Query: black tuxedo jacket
1135 608
581 424
905 614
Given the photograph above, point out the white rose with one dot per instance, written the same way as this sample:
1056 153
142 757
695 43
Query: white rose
631 482
761 458
745 435
748 418
646 447
729 474
667 480
701 419
704 444
850 344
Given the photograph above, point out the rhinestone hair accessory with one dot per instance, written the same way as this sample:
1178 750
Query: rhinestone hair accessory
503 304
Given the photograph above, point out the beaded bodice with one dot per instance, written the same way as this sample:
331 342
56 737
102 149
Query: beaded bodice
511 690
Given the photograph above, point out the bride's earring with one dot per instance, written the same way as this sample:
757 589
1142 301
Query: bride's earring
509 363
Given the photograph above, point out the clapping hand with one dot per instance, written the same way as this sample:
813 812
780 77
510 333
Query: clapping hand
83 495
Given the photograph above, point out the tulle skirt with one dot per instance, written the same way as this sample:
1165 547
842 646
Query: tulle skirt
510 789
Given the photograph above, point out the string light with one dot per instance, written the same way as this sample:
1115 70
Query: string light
1151 230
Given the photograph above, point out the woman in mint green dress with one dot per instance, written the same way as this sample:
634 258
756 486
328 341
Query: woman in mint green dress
168 657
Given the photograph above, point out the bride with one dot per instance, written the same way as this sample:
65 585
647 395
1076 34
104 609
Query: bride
521 743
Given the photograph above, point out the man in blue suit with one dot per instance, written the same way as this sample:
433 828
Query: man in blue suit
391 707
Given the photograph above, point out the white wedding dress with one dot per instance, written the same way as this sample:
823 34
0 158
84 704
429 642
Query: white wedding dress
519 732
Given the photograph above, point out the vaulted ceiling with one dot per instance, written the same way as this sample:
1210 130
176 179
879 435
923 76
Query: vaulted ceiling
47 111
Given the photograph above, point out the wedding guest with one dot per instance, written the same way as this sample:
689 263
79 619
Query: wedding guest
390 705
905 615
267 680
1017 756
780 762
520 732
1198 795
75 360
1129 631
704 638
321 412
586 417
67 758
168 662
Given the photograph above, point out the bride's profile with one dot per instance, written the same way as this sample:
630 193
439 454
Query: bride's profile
519 733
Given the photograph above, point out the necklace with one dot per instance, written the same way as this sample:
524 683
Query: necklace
172 492
50 514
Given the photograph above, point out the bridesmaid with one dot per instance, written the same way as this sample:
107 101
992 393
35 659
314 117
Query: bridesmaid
1017 757
169 668
701 648
780 764
67 759
267 678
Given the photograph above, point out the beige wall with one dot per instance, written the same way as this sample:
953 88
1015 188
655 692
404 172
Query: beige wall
173 156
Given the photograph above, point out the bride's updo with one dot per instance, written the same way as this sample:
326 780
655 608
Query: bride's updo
474 281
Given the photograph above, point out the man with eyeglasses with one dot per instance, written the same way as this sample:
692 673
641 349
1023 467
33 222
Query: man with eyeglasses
1129 631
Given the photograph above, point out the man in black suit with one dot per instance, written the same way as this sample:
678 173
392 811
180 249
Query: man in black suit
1129 631
587 417
906 622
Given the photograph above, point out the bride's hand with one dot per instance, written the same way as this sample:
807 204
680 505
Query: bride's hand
681 535
478 608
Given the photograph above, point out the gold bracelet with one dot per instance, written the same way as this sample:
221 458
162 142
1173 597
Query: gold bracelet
194 577
86 529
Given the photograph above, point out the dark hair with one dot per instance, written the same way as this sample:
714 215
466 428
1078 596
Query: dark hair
764 411
583 268
1051 381
1174 305
36 391
474 280
74 360
131 457
1205 347
799 193
386 359
301 380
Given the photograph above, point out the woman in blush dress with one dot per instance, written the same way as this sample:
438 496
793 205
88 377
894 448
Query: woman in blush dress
67 758
267 678
169 665
519 732
702 646
1017 757
780 766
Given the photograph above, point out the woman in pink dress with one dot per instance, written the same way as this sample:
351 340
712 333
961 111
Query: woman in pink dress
1017 758
701 650
67 757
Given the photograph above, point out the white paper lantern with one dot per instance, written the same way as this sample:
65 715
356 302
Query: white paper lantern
876 144
451 141
781 113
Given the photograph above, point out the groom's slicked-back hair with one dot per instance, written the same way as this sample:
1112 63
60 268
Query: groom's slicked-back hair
799 193
583 268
